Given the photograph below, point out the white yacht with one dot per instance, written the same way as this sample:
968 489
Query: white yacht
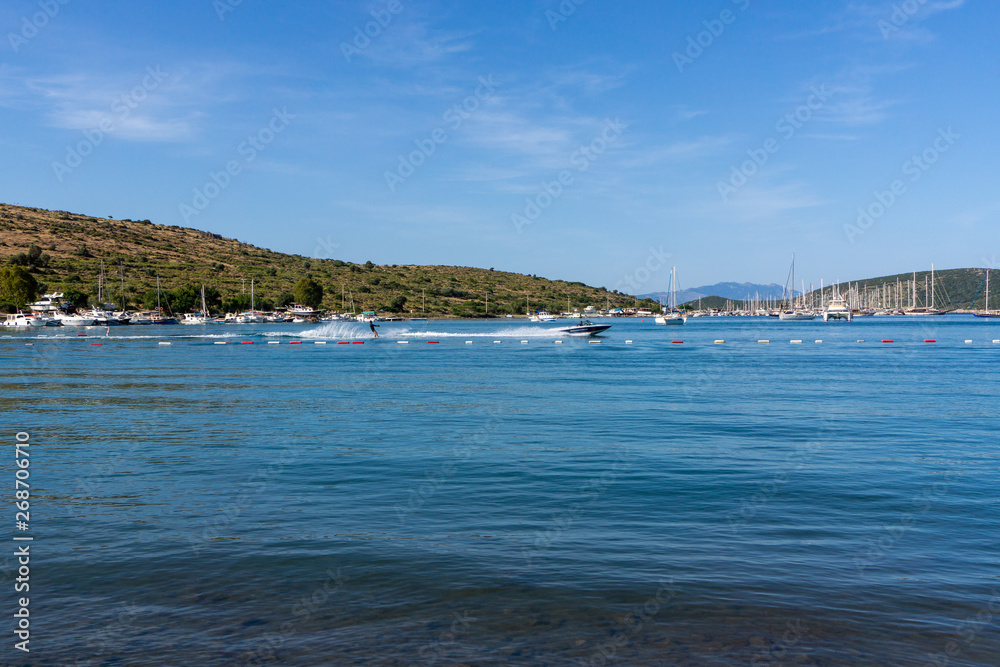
838 310
75 320
305 312
49 303
543 316
30 320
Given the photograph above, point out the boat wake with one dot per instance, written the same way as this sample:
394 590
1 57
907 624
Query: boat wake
360 331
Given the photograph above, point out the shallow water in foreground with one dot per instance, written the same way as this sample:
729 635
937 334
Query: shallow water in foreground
828 503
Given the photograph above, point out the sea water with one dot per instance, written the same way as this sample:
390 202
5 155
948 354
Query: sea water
636 501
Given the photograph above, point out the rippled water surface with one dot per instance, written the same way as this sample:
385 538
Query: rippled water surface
497 498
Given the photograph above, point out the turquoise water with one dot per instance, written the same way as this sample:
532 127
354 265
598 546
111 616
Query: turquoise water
650 502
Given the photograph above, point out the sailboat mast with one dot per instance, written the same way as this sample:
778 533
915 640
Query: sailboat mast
987 308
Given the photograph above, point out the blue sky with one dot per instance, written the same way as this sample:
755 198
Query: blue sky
581 140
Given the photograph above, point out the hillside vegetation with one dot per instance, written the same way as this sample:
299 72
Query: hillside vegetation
69 249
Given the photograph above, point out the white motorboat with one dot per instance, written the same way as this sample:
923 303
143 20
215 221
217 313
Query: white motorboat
74 320
796 316
543 316
142 318
305 312
29 320
585 328
49 303
250 317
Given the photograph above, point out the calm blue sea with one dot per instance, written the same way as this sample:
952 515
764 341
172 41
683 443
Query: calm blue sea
489 501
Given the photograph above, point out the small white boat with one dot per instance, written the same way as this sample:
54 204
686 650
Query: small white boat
796 316
543 316
671 319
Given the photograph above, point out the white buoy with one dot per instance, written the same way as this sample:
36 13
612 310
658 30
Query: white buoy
594 342
795 342
468 342
818 342
274 342
220 342
557 342
402 342
162 343
497 342
764 342
524 342
720 342
968 342
320 342
628 342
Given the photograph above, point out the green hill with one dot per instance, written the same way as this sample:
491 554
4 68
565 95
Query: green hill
69 249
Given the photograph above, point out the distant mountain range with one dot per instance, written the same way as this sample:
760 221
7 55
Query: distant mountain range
735 291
